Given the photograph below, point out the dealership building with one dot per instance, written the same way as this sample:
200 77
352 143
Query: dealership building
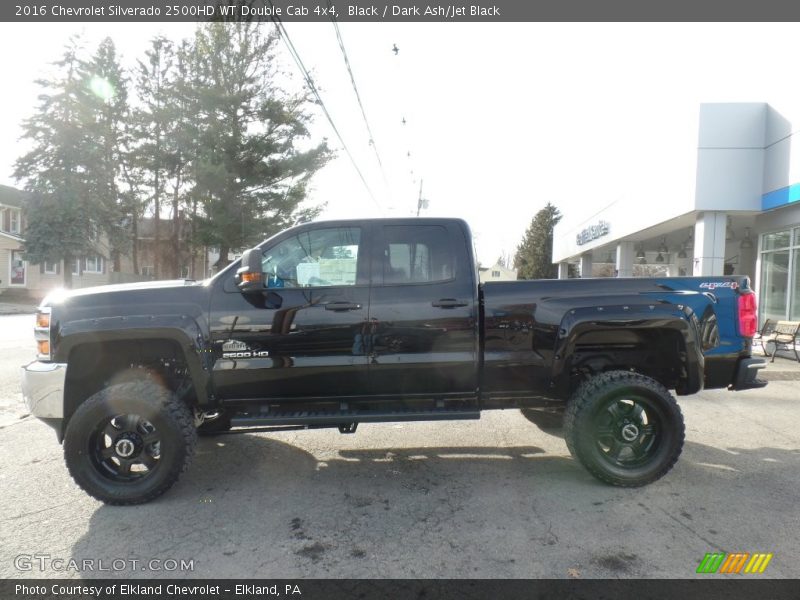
739 216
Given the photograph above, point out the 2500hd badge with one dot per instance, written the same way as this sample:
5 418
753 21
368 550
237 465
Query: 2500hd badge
237 349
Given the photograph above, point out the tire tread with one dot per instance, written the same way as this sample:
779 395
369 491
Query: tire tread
162 399
582 400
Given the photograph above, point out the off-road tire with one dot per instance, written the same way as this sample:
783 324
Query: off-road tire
588 411
152 403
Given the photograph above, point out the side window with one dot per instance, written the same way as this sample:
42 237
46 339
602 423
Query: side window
417 254
314 258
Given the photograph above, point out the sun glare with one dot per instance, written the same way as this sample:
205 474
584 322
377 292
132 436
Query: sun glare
102 88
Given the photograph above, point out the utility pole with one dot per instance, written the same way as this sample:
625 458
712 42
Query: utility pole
421 202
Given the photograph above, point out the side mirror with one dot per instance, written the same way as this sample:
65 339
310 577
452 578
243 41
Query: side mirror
249 277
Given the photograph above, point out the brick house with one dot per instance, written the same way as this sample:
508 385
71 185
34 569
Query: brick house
175 260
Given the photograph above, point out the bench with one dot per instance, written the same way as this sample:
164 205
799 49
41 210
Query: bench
784 335
767 328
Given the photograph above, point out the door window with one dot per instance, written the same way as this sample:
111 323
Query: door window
417 254
314 258
17 268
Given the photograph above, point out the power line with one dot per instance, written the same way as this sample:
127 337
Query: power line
296 56
372 141
400 92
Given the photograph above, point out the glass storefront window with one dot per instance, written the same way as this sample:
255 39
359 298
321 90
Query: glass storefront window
794 313
774 284
779 239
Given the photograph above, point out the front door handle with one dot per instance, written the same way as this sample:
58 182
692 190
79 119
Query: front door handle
342 306
448 303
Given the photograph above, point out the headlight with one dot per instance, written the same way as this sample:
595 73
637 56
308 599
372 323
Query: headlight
42 333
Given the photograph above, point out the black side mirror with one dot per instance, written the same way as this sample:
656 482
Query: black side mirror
273 300
249 277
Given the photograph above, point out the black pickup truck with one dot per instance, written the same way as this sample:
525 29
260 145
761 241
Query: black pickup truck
332 324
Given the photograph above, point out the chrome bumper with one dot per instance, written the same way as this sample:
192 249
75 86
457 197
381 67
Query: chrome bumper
43 389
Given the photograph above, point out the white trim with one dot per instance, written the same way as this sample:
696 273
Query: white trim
11 236
53 272
24 272
757 277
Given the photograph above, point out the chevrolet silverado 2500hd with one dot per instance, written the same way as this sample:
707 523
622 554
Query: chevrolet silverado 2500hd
333 324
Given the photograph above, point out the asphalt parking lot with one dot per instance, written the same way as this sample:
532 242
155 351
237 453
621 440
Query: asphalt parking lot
495 498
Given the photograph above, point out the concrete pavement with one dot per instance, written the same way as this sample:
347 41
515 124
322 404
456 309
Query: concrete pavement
17 308
495 498
785 367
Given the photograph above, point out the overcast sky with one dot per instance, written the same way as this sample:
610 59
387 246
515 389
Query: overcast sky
500 118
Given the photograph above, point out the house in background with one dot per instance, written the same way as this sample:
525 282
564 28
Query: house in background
19 278
496 272
12 267
175 259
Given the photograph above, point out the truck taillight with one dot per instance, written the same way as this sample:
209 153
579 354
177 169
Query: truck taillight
42 333
748 319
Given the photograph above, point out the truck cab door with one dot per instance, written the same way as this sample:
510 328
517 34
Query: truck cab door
423 312
299 337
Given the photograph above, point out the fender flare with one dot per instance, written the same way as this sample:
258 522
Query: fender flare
679 318
184 330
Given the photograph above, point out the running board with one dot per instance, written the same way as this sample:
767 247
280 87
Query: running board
350 416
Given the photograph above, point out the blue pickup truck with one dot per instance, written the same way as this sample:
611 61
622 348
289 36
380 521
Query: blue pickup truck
333 324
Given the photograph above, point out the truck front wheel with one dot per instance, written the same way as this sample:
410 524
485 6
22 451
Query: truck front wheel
624 427
129 443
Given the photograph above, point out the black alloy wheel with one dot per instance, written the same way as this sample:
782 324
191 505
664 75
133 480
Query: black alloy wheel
129 443
627 430
126 447
624 427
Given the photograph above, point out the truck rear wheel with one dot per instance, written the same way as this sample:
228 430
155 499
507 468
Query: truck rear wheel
625 428
129 443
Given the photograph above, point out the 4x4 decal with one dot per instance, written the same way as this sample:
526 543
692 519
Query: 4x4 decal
712 285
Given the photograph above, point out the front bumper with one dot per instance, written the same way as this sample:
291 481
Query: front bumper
746 377
43 389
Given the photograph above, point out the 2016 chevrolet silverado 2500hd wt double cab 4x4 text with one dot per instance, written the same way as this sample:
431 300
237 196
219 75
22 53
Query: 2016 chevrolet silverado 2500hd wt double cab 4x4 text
332 324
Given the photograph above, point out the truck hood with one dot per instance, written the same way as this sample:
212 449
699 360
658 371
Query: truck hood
63 296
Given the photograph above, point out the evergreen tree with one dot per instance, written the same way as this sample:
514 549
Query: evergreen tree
153 135
109 103
62 218
210 135
534 256
250 175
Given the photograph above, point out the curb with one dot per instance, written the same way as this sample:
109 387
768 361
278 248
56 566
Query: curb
779 375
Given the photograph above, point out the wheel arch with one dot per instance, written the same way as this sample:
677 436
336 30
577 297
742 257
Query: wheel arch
659 341
97 359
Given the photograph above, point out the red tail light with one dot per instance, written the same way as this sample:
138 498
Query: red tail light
748 320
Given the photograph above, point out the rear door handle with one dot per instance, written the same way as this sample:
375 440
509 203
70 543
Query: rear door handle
342 306
448 303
